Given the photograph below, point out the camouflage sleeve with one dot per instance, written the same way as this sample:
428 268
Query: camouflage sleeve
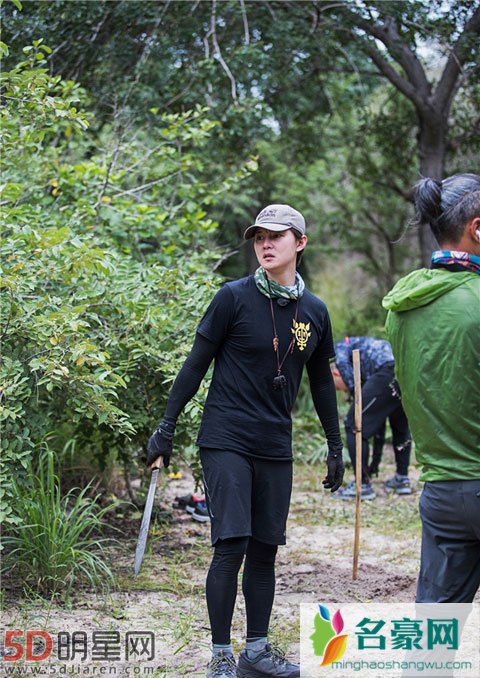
343 360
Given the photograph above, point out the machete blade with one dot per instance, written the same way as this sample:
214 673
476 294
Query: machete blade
147 513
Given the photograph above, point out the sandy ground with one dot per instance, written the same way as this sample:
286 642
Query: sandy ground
167 598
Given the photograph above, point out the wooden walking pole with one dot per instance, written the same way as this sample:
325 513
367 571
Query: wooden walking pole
358 455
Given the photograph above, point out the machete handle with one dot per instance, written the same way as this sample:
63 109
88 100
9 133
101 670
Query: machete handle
158 463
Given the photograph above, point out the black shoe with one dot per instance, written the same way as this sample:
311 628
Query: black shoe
270 662
181 502
200 514
222 666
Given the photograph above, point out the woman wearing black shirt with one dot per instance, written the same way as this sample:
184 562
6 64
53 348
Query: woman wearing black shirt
260 331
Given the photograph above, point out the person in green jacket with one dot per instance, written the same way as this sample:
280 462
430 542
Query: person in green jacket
433 326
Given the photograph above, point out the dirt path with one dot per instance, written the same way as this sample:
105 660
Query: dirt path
167 599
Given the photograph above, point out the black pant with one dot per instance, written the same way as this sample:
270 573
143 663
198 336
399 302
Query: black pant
258 585
450 557
380 400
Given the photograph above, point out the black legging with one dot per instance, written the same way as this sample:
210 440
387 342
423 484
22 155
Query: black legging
258 586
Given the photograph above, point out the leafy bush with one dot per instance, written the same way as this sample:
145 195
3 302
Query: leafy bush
55 544
109 262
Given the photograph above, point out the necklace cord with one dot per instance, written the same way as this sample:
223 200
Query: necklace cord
276 342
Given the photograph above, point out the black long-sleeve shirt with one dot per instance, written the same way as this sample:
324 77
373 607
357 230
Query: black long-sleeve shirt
243 412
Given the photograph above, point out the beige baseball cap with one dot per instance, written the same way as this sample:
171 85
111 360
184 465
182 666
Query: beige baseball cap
277 218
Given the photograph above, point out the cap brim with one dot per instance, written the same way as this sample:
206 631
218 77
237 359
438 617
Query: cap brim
250 231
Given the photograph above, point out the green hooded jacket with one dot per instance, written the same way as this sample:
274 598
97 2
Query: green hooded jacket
433 326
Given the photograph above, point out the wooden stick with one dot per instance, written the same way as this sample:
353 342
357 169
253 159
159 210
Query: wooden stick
358 456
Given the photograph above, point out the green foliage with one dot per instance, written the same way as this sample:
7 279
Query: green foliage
351 190
109 263
39 102
115 176
352 297
55 544
310 445
291 83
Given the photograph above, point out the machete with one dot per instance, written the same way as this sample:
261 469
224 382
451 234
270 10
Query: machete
147 513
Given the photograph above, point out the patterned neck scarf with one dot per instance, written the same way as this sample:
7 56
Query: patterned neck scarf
274 290
456 261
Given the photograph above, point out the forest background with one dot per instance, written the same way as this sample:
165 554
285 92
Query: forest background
139 140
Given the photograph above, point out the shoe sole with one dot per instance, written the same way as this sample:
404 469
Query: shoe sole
190 509
201 519
223 675
252 673
342 495
398 490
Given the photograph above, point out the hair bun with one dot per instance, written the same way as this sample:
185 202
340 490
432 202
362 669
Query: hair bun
428 200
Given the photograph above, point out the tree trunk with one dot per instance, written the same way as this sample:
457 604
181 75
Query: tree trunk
432 104
432 141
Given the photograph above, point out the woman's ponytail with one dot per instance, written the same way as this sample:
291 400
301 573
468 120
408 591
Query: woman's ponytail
428 201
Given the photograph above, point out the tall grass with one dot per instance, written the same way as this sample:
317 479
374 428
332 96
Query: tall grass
55 545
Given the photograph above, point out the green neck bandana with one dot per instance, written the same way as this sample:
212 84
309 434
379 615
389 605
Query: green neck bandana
274 290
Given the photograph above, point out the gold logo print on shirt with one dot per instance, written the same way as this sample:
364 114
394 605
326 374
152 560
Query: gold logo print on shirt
301 332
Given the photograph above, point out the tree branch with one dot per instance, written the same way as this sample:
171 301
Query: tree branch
272 13
400 51
453 68
218 53
394 76
98 27
245 22
415 86
223 258
139 189
111 165
407 195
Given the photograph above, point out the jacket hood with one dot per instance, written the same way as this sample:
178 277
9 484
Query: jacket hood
421 287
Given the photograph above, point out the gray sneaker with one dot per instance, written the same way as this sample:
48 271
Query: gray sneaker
222 666
349 491
401 484
200 513
271 662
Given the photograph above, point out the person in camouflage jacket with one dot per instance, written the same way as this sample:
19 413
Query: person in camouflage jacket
380 401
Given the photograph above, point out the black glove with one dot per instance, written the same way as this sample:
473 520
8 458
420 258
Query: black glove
335 470
160 444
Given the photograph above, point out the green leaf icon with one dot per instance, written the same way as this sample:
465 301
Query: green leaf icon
323 633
